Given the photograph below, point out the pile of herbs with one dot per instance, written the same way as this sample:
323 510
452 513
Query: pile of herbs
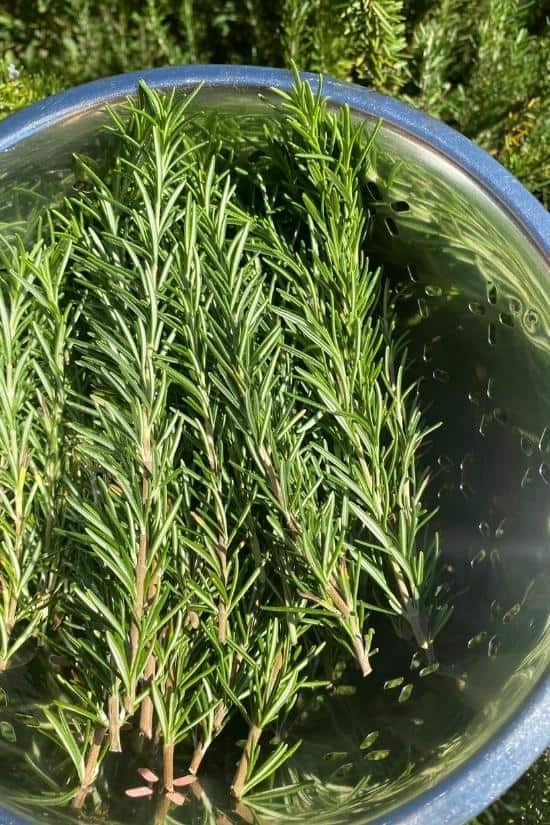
211 452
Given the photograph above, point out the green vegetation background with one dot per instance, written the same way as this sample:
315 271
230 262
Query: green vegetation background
481 65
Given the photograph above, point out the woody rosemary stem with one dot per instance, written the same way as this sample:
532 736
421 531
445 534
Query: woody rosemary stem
168 767
147 708
341 606
411 614
241 774
114 724
141 571
222 606
162 809
200 750
198 755
90 769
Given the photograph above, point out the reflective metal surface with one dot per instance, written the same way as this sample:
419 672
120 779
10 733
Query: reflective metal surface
470 248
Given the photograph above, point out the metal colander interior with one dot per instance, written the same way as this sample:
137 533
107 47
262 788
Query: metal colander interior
475 298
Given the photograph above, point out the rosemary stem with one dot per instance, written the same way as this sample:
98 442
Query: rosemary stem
12 612
141 570
244 813
239 780
202 746
53 473
114 724
401 584
90 769
161 810
222 621
416 623
411 614
168 767
361 655
198 755
278 491
222 606
350 619
147 708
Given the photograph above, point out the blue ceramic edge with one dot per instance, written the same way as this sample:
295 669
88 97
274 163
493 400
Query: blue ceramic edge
508 754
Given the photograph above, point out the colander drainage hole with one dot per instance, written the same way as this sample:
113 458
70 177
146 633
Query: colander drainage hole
527 446
433 291
374 191
423 308
544 471
506 319
400 206
476 308
493 648
491 293
442 376
391 226
484 424
412 274
531 320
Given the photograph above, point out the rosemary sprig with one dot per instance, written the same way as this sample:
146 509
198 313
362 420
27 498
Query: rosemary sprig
21 438
56 317
178 687
352 362
128 436
274 688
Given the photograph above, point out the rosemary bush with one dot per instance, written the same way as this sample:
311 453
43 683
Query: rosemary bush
212 478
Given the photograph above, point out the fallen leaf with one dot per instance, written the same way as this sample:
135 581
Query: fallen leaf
136 793
148 775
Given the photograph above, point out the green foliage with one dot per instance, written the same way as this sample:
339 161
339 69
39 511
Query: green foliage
482 65
485 68
362 40
27 88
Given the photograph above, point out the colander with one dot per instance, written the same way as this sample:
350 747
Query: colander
469 247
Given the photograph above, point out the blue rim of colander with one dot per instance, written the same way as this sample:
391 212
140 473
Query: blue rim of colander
509 753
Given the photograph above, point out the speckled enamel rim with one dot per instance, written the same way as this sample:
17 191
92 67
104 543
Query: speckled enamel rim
502 760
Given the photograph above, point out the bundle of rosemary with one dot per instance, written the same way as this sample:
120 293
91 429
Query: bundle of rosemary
211 453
